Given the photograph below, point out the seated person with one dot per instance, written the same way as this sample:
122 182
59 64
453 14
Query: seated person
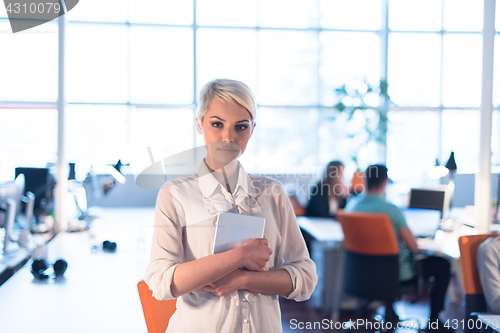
488 263
329 194
437 267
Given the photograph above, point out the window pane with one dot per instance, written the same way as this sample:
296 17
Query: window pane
165 131
284 141
462 70
29 139
495 138
352 14
414 69
332 128
463 15
3 13
496 72
412 145
408 14
97 63
219 58
341 138
289 13
28 64
288 69
96 134
460 133
161 11
99 11
161 68
226 13
340 64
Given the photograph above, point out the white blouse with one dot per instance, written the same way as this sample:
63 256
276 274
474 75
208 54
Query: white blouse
186 212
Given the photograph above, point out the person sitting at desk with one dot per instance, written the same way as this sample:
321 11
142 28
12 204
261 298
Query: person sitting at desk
431 266
488 264
329 194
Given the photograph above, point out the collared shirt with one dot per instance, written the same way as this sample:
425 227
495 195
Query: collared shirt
186 212
374 203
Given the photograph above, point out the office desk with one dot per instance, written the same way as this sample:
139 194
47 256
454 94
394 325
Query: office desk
98 292
328 254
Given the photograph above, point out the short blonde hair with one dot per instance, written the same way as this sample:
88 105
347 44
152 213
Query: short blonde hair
229 90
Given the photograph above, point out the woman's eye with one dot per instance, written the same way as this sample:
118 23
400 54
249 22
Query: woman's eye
241 127
217 124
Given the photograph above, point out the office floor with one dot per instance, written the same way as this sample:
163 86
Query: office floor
83 301
294 313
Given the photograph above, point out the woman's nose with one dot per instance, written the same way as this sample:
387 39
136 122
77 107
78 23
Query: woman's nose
228 136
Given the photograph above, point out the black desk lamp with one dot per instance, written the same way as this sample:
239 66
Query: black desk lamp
452 166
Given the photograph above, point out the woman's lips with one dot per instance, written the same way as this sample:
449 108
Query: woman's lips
228 150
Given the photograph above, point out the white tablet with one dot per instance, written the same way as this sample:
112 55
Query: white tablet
234 230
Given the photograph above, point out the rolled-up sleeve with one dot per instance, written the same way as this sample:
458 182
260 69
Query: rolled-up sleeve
293 253
166 248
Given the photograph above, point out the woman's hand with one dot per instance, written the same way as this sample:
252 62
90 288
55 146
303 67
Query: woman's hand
228 284
256 253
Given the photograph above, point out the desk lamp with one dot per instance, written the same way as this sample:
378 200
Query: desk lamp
452 166
438 171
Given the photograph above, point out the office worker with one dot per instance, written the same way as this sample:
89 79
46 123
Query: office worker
488 264
213 294
429 267
329 194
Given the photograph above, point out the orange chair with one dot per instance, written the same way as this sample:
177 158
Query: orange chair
474 298
371 268
157 313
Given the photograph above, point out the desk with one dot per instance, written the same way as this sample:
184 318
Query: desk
327 252
98 292
329 255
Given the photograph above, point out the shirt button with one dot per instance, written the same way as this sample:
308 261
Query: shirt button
245 321
244 299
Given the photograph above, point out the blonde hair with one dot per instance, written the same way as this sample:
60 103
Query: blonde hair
228 90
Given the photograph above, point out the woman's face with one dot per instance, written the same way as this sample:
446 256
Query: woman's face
226 128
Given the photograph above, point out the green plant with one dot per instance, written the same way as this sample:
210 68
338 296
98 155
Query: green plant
363 103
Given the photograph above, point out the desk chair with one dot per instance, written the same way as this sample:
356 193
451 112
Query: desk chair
371 264
157 313
474 298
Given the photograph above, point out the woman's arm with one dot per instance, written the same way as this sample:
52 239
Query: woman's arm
270 282
195 274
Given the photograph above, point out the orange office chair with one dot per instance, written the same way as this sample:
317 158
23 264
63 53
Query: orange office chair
157 313
474 298
371 269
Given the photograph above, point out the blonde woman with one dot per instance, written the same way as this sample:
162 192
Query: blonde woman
213 293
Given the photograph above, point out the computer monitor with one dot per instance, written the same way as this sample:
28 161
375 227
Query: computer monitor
427 199
10 205
39 181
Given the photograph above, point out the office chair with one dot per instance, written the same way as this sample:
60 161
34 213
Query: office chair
474 298
157 313
371 269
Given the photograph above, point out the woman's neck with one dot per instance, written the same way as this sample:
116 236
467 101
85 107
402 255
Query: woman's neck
228 169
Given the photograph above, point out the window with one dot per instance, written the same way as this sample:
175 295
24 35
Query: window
135 68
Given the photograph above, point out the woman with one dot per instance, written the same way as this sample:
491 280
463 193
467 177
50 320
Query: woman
214 295
329 194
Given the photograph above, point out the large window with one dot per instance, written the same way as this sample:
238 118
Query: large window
135 67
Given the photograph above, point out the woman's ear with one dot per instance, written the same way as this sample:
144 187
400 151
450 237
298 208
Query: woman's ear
198 126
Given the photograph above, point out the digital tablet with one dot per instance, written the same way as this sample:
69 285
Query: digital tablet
234 230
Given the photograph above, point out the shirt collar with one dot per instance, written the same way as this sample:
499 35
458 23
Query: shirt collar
208 183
